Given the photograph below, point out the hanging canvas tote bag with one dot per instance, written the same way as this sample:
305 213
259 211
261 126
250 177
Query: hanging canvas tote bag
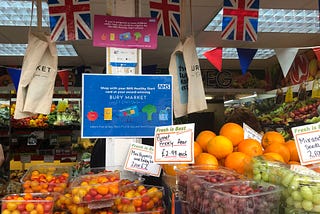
188 90
38 73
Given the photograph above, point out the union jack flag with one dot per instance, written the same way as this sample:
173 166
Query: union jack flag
70 19
167 13
240 20
319 8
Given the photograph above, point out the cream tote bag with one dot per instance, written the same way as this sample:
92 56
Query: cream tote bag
38 74
188 91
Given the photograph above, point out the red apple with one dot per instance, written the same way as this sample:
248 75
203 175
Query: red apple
98 197
47 207
87 197
125 201
143 191
108 196
93 192
145 198
21 207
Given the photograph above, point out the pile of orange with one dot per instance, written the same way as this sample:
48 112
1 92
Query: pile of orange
276 148
231 150
221 149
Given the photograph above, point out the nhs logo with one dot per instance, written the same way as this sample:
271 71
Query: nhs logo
164 86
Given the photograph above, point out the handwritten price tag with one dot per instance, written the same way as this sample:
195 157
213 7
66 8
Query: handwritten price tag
250 133
140 159
174 144
307 140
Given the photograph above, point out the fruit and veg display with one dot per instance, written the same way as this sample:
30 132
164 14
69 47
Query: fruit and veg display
95 187
293 112
28 203
228 150
242 197
129 196
4 115
139 198
61 114
301 192
46 178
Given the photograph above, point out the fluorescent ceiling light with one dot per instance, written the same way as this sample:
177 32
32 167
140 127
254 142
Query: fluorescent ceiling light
20 49
228 101
209 97
278 21
18 13
247 97
231 53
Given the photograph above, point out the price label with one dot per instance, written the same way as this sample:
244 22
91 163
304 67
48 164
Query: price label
307 139
303 170
140 159
250 133
48 158
25 158
174 144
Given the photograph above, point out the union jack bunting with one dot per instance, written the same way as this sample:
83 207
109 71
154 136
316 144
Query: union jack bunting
240 20
167 13
70 19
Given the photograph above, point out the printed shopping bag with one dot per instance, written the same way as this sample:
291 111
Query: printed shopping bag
38 74
188 90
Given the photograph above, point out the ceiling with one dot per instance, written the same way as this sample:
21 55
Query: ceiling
202 12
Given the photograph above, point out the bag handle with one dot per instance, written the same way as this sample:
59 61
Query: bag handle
185 19
39 14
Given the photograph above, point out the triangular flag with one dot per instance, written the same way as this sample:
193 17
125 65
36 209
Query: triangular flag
215 57
245 57
15 74
317 53
285 57
64 75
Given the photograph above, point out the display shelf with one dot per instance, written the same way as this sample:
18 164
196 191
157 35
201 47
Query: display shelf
17 165
39 139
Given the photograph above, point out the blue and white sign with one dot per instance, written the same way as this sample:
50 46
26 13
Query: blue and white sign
125 106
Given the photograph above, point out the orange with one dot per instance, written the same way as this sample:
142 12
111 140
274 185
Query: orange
206 159
279 148
169 169
26 184
114 189
271 137
102 189
233 131
28 190
40 209
35 173
58 189
237 161
29 207
220 146
273 156
291 145
203 138
197 149
250 147
294 163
